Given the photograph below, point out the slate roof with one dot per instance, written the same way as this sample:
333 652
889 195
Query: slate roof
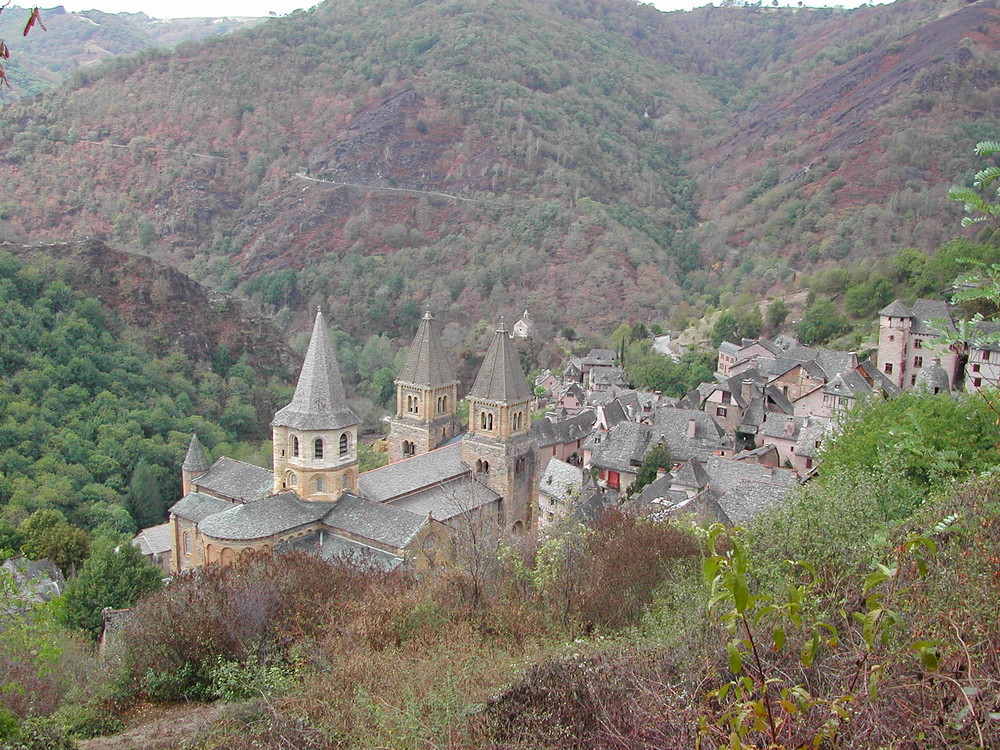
500 379
777 427
197 506
670 425
743 490
607 376
933 377
562 481
412 474
237 480
381 523
896 309
548 432
926 312
593 503
319 402
691 474
600 357
623 449
426 363
195 460
814 430
154 540
266 517
330 546
446 500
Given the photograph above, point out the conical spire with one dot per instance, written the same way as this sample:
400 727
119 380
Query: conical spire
426 364
195 460
501 379
319 402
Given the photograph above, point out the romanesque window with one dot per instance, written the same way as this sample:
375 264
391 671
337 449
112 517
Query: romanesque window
482 467
482 420
187 543
318 448
318 484
517 421
444 404
344 444
412 404
409 449
489 421
293 481
295 446
345 482
519 466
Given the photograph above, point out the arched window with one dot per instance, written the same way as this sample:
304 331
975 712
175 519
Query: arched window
187 543
479 466
486 467
318 484
318 448
345 481
482 419
409 449
489 421
292 480
345 444
444 404
295 446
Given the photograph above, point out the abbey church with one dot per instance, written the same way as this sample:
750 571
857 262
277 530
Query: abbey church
401 515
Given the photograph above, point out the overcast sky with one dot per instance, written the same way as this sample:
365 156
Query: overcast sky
213 8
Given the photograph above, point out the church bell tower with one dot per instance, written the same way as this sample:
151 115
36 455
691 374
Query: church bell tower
316 436
426 397
498 446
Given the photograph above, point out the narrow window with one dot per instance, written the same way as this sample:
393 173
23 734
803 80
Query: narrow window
888 368
295 446
918 361
318 483
187 543
489 421
482 420
344 444
318 449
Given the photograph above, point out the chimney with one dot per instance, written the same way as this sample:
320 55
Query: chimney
692 428
789 426
852 362
746 391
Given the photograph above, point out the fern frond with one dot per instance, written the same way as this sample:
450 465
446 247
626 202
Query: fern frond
986 148
984 178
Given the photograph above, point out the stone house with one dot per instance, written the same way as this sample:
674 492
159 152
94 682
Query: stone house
906 341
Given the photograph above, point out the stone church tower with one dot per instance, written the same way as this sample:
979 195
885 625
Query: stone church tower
426 397
498 447
195 464
316 435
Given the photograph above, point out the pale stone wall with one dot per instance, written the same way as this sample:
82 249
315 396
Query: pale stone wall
337 472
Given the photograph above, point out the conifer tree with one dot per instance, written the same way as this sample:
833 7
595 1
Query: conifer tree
144 500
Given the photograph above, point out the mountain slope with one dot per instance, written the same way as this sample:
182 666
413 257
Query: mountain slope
590 160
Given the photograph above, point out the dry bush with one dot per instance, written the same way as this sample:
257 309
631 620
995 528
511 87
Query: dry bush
256 608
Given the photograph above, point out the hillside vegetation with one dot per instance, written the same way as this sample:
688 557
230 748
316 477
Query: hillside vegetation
590 161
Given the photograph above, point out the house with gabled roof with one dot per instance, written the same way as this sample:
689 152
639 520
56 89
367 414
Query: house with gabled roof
982 369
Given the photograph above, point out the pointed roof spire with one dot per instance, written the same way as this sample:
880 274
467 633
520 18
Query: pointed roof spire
319 402
426 364
195 460
500 378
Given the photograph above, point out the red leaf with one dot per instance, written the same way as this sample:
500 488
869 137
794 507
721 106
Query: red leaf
34 18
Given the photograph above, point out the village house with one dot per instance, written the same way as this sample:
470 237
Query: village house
907 341
982 369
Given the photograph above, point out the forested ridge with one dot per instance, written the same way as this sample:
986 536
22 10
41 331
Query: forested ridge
612 161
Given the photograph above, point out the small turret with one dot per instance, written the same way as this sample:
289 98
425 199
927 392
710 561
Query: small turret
195 464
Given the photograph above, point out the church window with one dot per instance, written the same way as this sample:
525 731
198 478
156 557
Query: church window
516 421
482 420
293 481
345 482
318 448
187 543
489 421
318 484
295 446
345 444
409 449
519 466
444 404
